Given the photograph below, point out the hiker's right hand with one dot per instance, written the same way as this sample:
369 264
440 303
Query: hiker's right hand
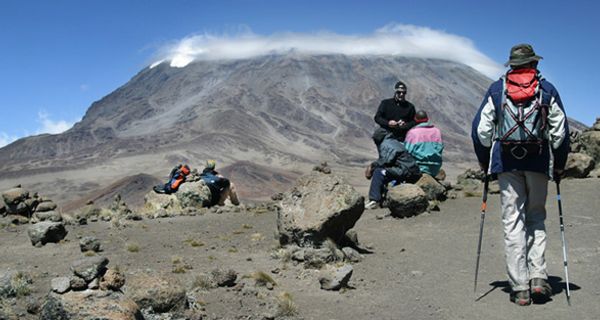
392 123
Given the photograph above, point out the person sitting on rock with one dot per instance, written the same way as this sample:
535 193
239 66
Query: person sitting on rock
220 187
394 164
424 143
176 178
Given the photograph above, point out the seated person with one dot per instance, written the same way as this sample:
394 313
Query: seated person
220 187
394 163
424 143
176 178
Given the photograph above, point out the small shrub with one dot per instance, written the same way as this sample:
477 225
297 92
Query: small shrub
195 243
132 247
178 268
285 305
261 279
176 260
20 285
203 281
257 237
232 250
238 231
246 226
282 254
89 253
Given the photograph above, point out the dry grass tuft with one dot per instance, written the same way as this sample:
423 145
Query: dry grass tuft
132 247
285 305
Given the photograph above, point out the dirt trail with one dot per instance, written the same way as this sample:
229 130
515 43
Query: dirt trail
422 267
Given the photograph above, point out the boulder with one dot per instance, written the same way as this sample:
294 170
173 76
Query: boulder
44 232
161 202
113 279
591 144
319 206
595 173
89 304
441 176
470 173
224 278
335 278
195 194
596 126
89 244
89 268
406 200
433 189
159 292
45 206
578 165
47 216
15 195
60 284
18 208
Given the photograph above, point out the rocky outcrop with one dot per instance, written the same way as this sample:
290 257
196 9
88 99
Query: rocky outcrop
319 206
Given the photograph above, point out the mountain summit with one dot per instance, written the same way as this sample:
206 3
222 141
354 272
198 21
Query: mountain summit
275 115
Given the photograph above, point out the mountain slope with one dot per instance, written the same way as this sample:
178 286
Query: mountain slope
287 112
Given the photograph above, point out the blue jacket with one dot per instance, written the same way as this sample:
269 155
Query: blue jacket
483 134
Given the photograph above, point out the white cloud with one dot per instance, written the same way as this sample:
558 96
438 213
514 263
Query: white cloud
6 139
52 126
392 39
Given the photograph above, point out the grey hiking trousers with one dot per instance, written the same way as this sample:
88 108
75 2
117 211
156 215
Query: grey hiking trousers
523 199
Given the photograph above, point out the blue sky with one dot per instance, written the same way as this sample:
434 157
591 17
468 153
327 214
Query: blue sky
57 57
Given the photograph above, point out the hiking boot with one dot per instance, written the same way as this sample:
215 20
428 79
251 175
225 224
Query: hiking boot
372 205
521 297
540 290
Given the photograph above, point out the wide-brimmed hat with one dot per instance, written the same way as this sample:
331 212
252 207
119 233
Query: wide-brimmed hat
522 54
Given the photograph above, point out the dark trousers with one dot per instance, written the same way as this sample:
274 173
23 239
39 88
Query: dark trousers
378 184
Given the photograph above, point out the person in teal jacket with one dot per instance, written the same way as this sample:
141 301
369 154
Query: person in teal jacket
424 143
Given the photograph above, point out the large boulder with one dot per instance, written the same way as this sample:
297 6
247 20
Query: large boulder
89 304
406 200
319 206
44 232
578 165
194 194
433 189
47 216
159 292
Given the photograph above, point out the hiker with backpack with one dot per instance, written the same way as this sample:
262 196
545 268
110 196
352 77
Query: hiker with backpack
395 115
521 134
176 178
220 187
424 143
394 165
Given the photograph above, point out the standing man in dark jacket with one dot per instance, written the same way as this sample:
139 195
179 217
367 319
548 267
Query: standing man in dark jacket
521 134
395 115
394 163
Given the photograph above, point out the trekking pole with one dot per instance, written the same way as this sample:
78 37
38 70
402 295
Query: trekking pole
562 234
483 208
